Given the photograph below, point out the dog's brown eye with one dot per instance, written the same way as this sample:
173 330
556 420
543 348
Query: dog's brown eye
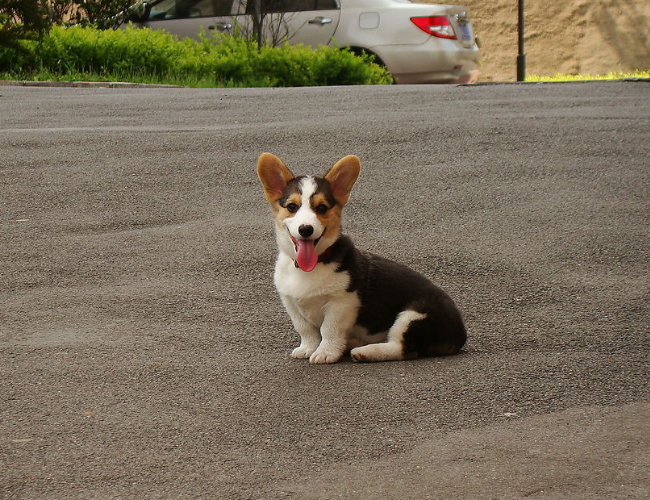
292 207
321 209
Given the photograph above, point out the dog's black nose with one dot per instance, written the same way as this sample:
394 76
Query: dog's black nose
306 230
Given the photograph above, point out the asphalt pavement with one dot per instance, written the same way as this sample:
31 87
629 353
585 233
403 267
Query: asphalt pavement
144 353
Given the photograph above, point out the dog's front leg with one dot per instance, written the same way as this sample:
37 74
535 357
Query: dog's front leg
340 316
309 334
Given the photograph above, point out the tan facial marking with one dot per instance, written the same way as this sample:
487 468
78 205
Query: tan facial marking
294 198
331 219
281 212
317 200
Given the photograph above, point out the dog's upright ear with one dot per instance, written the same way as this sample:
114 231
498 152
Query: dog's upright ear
274 176
342 176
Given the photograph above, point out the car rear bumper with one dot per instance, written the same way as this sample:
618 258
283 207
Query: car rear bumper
455 77
437 61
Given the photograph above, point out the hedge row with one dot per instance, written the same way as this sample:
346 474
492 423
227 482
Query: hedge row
156 56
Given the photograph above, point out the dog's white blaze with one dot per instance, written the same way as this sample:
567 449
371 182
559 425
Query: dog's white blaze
308 188
392 349
305 215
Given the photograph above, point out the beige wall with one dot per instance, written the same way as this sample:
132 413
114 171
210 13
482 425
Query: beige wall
562 36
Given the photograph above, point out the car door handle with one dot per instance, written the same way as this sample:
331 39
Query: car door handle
320 20
220 26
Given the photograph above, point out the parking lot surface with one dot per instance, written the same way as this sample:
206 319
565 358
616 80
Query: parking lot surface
144 352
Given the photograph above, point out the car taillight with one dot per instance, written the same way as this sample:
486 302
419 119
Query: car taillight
439 26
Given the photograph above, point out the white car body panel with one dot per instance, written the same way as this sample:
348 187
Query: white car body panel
410 54
299 29
382 27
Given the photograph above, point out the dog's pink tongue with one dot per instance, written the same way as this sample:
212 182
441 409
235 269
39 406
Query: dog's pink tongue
306 256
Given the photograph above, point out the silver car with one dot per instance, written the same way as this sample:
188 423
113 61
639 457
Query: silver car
417 43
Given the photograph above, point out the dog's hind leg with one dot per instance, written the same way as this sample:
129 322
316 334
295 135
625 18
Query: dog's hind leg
393 348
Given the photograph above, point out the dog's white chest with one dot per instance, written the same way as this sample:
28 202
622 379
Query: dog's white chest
310 294
300 285
312 309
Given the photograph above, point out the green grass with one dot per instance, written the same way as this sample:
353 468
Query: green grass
579 78
150 56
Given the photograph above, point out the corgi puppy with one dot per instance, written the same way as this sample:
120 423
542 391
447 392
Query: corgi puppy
340 298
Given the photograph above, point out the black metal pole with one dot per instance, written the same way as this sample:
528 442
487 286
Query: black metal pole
521 56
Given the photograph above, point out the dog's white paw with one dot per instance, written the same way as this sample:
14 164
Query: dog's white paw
302 352
358 355
383 351
325 356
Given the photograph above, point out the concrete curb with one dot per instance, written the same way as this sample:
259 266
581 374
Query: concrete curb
115 85
109 85
481 84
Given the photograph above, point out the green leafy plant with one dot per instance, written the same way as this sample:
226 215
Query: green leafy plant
153 56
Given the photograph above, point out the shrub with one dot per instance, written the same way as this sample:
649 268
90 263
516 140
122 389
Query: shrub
156 56
20 20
